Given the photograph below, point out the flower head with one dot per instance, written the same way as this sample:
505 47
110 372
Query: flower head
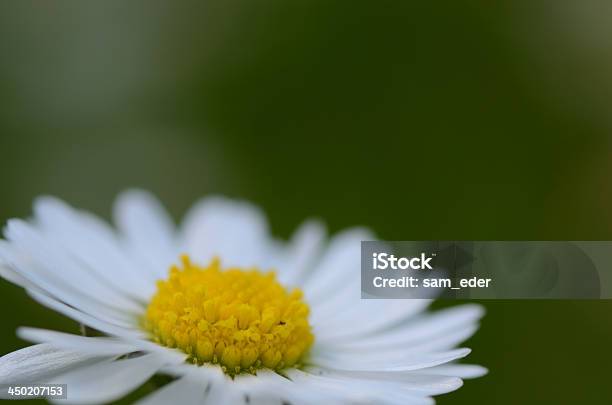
231 314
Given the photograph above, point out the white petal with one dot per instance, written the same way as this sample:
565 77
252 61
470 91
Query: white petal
223 393
356 317
235 231
302 252
94 243
148 230
183 391
8 273
109 380
101 346
340 263
267 387
466 371
84 318
406 363
35 284
196 385
422 330
359 391
46 265
39 363
419 383
393 353
442 342
205 372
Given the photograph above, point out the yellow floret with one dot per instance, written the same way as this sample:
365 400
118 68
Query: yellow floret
240 319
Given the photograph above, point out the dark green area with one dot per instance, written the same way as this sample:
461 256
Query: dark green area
422 120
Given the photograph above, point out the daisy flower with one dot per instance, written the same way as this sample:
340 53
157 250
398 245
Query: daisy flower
229 313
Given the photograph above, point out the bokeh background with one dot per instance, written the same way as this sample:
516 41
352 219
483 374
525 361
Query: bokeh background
422 120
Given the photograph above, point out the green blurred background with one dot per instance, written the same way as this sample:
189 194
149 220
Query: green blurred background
422 120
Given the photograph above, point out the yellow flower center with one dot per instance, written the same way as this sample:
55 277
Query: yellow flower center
241 319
